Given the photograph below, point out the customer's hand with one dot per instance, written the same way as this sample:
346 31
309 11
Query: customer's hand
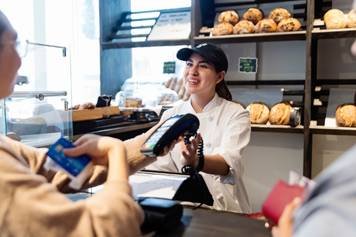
189 151
285 223
97 147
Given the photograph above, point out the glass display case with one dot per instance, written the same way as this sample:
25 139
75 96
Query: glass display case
36 113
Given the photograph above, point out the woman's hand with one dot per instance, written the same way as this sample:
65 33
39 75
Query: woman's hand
189 151
97 147
103 151
285 223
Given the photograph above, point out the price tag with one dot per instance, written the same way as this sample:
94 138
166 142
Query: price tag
247 65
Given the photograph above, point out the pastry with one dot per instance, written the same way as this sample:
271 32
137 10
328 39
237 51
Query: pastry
346 115
335 19
278 14
253 14
244 27
280 114
290 24
266 25
351 19
259 112
229 17
223 29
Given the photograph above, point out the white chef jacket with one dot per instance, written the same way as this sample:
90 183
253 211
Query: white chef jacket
225 129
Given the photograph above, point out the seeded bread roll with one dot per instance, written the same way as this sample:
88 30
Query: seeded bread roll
244 27
259 112
253 14
346 115
335 19
266 26
229 17
280 114
223 29
290 24
351 19
278 14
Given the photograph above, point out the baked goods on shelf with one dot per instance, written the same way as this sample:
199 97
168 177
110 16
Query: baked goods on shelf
244 27
253 14
278 14
223 29
351 19
229 16
280 113
335 19
87 105
290 24
259 112
346 115
266 26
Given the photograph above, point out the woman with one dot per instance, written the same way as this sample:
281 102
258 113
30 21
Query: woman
31 206
224 128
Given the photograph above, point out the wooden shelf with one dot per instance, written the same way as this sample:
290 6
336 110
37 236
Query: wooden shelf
265 82
334 34
255 37
276 128
333 130
320 82
147 43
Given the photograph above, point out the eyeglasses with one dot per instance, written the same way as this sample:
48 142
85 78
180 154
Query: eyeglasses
20 45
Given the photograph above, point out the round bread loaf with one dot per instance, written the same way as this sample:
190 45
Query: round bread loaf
244 27
266 26
259 112
280 114
290 24
223 29
351 19
335 19
229 17
346 115
253 14
278 14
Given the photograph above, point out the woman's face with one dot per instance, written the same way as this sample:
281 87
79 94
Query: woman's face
10 62
200 77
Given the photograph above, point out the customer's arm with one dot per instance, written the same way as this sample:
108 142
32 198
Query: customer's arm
32 207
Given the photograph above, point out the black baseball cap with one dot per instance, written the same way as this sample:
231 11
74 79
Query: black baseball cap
211 53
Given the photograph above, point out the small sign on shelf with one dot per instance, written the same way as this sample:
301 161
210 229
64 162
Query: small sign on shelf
169 67
248 65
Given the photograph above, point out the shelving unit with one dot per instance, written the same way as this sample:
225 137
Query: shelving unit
204 11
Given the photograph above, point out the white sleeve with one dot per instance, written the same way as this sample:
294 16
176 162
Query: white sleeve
235 138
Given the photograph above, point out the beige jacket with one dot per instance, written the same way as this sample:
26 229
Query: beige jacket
31 204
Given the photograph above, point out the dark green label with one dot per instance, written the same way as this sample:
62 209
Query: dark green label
248 65
169 67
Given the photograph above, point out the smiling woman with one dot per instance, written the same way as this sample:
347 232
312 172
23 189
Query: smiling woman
224 127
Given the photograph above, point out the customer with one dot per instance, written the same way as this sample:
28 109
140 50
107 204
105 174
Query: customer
31 206
329 209
224 128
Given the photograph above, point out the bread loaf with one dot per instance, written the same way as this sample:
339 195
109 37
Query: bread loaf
253 14
230 16
351 19
259 112
346 115
280 114
290 24
266 26
223 29
335 19
278 14
244 27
